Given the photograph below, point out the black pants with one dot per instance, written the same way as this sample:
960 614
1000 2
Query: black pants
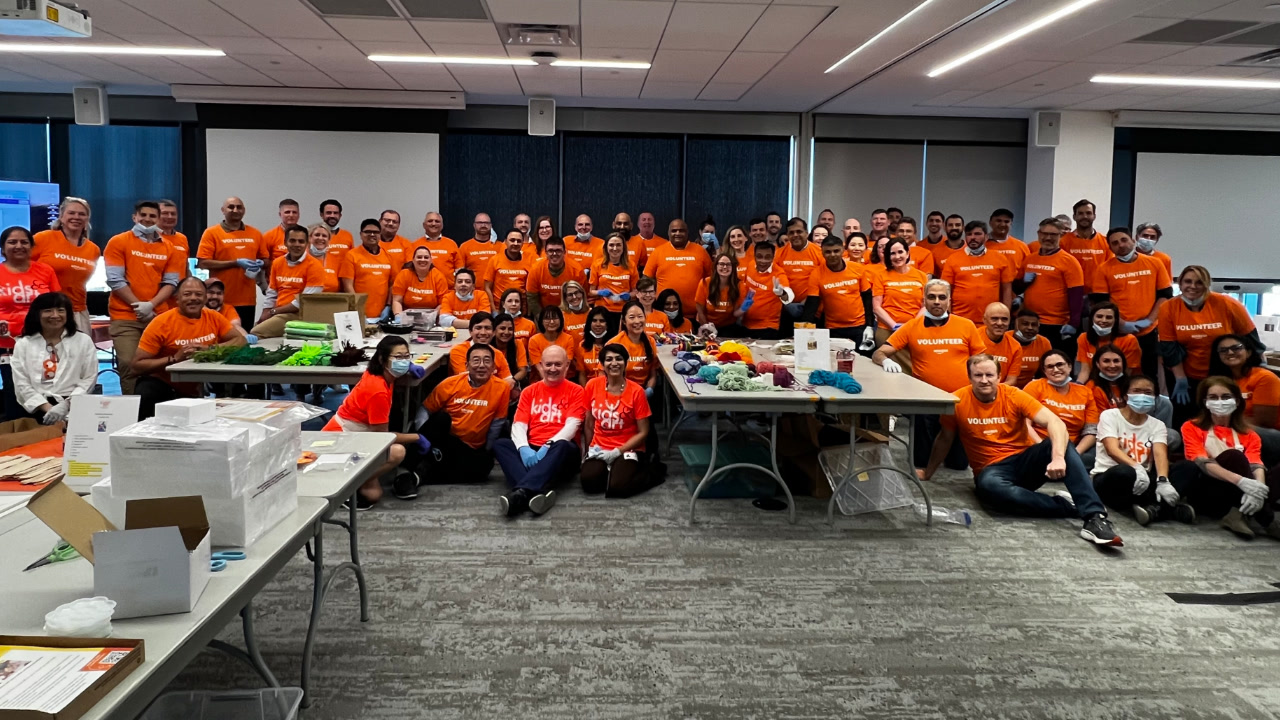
246 316
1115 488
926 429
153 390
1054 334
1150 346
1213 497
733 330
458 462
1182 413
12 408
622 479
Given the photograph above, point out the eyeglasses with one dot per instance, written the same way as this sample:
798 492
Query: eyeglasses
1229 349
1056 366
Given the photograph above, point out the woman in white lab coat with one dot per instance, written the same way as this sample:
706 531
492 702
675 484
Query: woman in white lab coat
53 360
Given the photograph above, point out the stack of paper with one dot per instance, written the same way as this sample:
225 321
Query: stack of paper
29 470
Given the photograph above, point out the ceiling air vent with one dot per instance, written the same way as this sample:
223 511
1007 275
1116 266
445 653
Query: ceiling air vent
1268 59
1194 32
517 35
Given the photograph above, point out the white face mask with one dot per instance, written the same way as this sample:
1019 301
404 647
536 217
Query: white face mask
1128 258
673 314
1101 330
1193 304
1146 245
1110 377
1063 383
465 298
141 229
598 335
583 237
317 253
1024 338
1221 407
931 316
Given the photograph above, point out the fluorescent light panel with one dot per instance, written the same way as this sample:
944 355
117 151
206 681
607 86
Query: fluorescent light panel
451 60
878 35
1205 82
610 64
78 49
1023 31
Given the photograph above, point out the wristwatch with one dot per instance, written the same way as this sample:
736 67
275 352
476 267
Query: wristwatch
1162 479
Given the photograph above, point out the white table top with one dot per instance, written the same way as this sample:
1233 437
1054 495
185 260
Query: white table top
334 485
171 640
701 397
191 371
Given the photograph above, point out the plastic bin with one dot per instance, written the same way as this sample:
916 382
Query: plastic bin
870 491
268 704
740 483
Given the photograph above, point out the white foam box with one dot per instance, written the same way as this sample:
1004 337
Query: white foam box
184 412
212 460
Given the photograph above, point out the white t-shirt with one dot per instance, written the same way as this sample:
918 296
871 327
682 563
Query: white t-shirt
1135 440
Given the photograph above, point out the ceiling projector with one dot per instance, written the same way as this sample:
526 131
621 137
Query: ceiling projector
43 18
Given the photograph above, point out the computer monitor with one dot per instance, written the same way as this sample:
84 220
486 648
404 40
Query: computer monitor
32 205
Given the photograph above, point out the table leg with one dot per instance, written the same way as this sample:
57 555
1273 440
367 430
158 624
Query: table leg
672 432
851 471
252 658
317 603
713 471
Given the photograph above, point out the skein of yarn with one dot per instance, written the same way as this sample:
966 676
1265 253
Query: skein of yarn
837 380
782 376
710 373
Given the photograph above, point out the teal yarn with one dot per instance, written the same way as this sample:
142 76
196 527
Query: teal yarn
710 373
837 380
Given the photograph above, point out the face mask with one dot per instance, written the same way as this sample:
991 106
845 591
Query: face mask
1110 377
578 308
583 237
673 314
1193 304
598 335
316 253
931 316
1065 382
141 229
1128 258
465 298
979 252
1221 407
400 367
514 313
709 238
1024 338
1141 403
1146 245
1101 330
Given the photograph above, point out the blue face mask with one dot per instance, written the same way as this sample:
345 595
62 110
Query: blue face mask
710 238
1140 403
1146 245
400 367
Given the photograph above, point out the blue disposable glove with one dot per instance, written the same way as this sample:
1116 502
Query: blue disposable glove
542 451
648 393
604 293
1028 278
1181 393
247 264
417 371
251 339
528 456
1142 324
1128 328
386 313
1069 331
625 297
423 444
748 302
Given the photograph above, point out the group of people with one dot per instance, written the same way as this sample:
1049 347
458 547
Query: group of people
1070 356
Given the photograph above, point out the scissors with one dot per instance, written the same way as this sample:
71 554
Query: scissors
218 561
61 551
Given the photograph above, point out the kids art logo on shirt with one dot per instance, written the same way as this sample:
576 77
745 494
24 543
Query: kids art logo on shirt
607 415
547 411
23 293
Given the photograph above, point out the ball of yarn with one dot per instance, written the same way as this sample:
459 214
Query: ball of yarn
837 380
682 367
728 357
709 373
743 351
781 376
764 366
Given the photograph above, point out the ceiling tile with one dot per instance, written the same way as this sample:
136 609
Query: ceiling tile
671 90
233 45
462 50
550 81
383 47
115 16
724 91
609 24
279 18
303 79
164 70
389 29
694 66
195 16
360 8
746 67
1248 10
365 80
611 83
445 9
423 77
553 12
966 78
1053 101
709 26
226 70
949 98
997 98
1184 8
282 62
462 33
1062 77
46 71
1208 55
1118 101
103 70
337 55
486 80
782 27
1193 32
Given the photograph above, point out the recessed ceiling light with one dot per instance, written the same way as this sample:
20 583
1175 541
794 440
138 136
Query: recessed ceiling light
1003 40
450 60
78 49
1172 81
611 64
878 35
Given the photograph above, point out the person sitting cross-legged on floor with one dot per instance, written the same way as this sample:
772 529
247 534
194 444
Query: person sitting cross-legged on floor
465 412
543 448
616 430
1008 464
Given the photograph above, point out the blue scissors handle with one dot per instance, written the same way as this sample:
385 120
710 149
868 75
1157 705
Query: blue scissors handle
228 555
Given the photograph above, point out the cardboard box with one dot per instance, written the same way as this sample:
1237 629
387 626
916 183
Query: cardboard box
92 695
320 307
186 411
16 433
157 565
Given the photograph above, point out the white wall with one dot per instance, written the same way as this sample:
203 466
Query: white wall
1082 164
366 172
974 180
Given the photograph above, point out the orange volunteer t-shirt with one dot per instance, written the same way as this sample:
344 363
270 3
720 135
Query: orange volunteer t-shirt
766 311
1077 408
639 364
341 241
145 265
574 324
1259 387
652 243
479 302
582 253
370 274
1008 352
228 312
1164 258
1126 344
546 408
417 293
472 409
801 267
655 322
1195 331
940 251
614 278
841 293
444 253
921 259
587 361
902 294
720 310
73 265
1089 253
994 431
1047 295
525 328
1015 251
975 282
244 244
1193 437
475 255
1029 358
179 243
548 286
506 273
290 280
332 264
368 403
458 360
679 269
939 354
614 417
400 251
539 343
171 330
635 253
1132 286
274 240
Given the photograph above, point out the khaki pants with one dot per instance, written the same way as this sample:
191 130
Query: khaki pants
902 357
273 326
125 335
83 323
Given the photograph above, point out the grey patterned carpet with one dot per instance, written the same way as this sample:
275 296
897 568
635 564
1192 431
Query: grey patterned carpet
620 609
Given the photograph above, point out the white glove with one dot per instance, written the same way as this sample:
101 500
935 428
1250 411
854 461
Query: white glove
1141 481
608 456
778 289
1255 495
707 330
1250 504
56 413
1166 493
891 366
144 310
868 339
594 452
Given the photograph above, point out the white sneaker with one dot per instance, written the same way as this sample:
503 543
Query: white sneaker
1065 496
539 504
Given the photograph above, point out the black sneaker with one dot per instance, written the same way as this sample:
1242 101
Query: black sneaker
1184 513
317 397
1099 531
1146 514
514 502
362 503
539 504
405 486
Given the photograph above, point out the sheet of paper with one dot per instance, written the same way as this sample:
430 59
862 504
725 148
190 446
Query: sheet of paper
87 454
813 349
349 331
250 410
48 679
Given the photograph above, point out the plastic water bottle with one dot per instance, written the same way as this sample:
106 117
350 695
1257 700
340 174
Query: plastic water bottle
956 517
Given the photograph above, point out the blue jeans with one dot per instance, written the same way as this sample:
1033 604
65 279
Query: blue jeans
1009 486
560 464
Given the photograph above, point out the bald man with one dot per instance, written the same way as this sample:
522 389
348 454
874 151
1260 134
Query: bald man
1001 344
444 251
236 254
543 448
852 225
582 247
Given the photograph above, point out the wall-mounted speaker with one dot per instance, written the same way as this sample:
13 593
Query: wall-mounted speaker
542 117
91 105
1048 129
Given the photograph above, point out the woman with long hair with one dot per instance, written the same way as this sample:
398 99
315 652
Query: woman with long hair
613 277
551 332
53 360
544 228
738 244
1223 471
1108 381
672 310
573 304
642 362
720 300
1131 471
514 350
512 303
595 336
615 431
21 281
367 408
707 236
1233 356
1104 326
418 286
318 237
897 293
67 249
855 248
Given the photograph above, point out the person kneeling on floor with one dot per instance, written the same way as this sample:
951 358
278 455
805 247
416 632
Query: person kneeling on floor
616 430
543 448
465 413
1008 464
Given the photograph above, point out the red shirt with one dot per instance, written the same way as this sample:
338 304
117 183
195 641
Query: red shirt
18 290
614 416
546 409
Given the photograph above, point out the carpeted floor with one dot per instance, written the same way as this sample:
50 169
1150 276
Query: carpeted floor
620 609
